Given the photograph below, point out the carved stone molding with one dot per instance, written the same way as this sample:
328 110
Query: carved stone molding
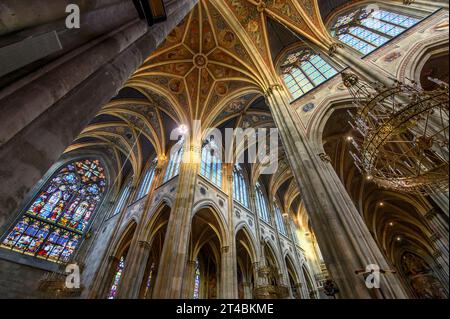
144 244
325 157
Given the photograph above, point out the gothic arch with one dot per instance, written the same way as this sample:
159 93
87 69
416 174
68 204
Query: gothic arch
251 249
412 64
221 224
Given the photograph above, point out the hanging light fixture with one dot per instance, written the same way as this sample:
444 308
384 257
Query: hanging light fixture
153 11
401 134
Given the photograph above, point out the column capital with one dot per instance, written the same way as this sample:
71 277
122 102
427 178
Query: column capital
334 47
437 254
325 157
431 214
144 244
272 88
435 237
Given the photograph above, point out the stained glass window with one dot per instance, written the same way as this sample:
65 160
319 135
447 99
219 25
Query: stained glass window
304 70
261 204
240 186
280 222
147 181
149 283
176 157
197 280
211 165
52 226
367 30
116 279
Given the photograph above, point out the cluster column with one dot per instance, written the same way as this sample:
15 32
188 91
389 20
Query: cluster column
174 256
344 239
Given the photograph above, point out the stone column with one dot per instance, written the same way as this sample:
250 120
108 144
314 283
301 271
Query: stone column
432 5
228 275
248 294
18 15
172 266
55 107
133 274
344 239
441 198
438 224
139 252
228 282
188 283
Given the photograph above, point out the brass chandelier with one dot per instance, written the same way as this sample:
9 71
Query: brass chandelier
401 134
271 288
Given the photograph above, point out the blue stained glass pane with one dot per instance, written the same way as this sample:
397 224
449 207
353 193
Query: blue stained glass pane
63 208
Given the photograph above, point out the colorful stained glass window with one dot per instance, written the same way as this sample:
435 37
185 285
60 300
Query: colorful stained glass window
52 226
304 70
197 280
261 204
367 30
149 282
117 277
176 157
211 165
240 186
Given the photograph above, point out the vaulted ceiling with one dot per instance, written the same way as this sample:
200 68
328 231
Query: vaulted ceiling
214 67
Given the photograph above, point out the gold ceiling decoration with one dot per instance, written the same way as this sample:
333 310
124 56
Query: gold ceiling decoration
301 16
201 66
401 134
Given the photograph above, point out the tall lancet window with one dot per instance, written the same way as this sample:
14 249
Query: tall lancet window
53 225
281 226
176 157
117 278
122 199
366 29
147 180
303 70
240 186
211 166
261 204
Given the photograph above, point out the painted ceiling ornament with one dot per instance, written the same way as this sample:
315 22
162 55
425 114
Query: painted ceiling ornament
227 39
308 107
201 61
221 88
391 57
175 86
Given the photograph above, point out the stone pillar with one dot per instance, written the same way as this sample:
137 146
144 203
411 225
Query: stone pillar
53 109
133 274
441 198
248 294
344 239
139 251
188 283
172 266
228 282
432 5
228 274
18 15
438 224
